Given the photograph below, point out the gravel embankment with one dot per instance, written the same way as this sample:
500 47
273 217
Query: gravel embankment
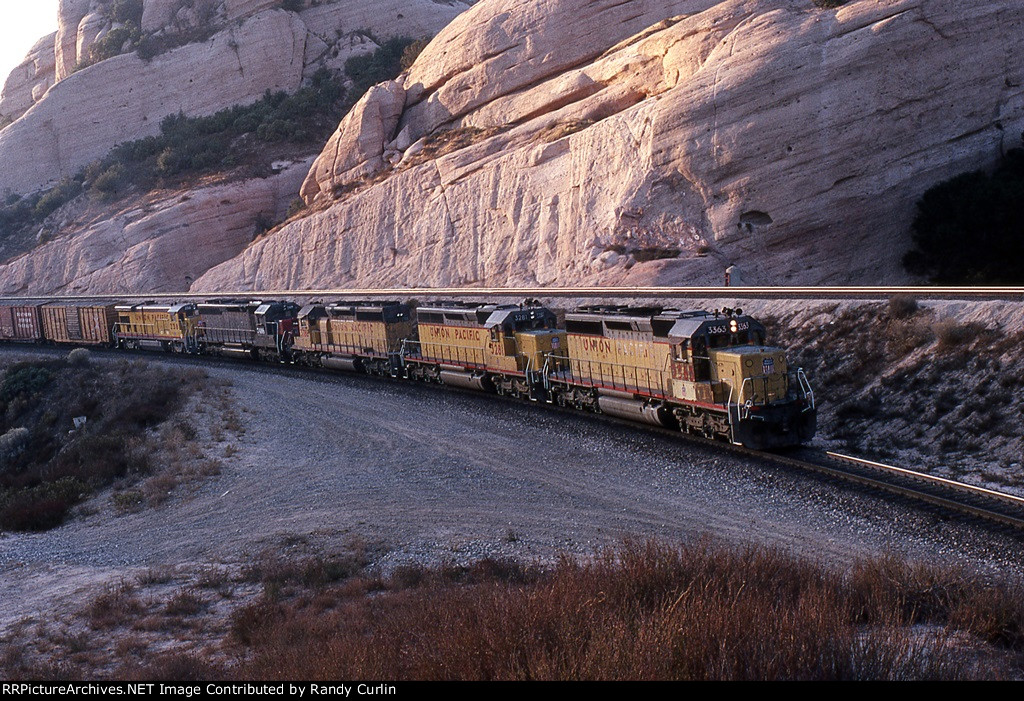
421 473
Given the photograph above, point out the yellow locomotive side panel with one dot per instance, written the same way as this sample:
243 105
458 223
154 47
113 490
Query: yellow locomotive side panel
152 323
535 346
756 376
625 364
458 345
351 337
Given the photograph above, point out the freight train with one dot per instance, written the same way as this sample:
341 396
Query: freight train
709 373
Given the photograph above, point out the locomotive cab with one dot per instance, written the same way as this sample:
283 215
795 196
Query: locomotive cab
720 363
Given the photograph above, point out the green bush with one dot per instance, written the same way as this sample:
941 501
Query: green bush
412 52
383 64
23 381
126 11
40 507
57 197
968 229
119 40
110 181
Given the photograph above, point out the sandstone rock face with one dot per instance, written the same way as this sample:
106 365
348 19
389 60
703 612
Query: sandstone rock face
70 14
30 80
158 246
790 140
260 47
125 98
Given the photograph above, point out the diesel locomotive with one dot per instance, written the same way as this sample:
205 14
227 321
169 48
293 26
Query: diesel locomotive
709 373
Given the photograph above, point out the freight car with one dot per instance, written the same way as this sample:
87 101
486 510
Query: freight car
89 325
21 323
707 373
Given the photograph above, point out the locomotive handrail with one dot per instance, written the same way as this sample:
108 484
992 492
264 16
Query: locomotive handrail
728 409
471 350
805 386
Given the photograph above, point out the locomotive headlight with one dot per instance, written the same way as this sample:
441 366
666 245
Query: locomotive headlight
734 326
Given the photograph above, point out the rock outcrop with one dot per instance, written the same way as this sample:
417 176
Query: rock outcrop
161 244
27 83
244 48
532 137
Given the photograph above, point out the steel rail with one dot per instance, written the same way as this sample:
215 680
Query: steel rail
852 292
945 502
963 486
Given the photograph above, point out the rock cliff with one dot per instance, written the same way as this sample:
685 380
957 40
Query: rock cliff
230 52
558 141
160 244
27 83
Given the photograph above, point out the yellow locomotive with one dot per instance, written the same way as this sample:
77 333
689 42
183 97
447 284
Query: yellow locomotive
705 372
484 346
366 336
156 327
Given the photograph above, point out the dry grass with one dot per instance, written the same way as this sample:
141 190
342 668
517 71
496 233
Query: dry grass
115 606
648 611
891 379
955 337
562 129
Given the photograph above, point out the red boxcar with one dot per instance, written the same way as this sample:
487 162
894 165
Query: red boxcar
20 323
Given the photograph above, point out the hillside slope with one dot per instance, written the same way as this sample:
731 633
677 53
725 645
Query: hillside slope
78 94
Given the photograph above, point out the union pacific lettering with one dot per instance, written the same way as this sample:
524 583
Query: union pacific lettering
599 345
361 327
455 333
594 343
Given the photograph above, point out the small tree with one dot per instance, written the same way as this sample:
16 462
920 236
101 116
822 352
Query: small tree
970 229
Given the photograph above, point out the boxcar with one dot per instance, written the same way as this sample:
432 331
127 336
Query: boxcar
75 324
21 323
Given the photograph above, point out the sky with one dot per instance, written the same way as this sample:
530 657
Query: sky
22 24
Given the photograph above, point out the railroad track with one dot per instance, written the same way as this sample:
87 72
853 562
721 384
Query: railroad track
992 505
1004 510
